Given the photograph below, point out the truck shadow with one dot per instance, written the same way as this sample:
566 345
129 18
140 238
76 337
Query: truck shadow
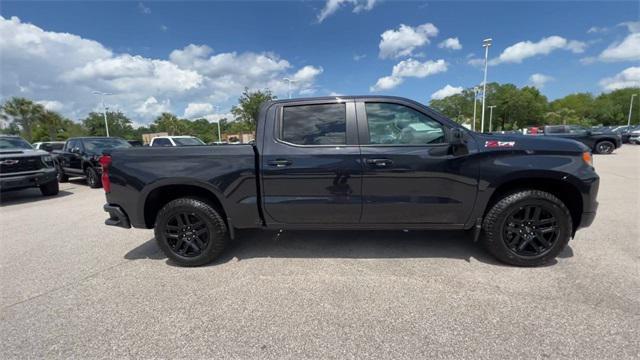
17 197
343 244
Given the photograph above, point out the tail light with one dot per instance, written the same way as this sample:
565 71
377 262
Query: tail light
105 163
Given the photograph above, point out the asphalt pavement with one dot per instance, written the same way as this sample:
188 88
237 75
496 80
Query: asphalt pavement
73 287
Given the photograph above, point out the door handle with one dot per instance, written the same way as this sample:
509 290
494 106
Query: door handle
380 162
280 163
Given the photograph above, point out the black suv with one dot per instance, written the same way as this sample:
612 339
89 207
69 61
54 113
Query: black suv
600 142
22 166
79 157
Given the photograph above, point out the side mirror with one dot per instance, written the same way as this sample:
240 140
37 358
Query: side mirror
75 150
456 136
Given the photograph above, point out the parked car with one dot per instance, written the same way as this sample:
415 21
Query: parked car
79 157
22 166
48 146
598 142
357 163
168 141
634 136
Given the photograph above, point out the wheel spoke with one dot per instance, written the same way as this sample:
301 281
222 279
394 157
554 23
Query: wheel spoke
524 244
513 242
536 213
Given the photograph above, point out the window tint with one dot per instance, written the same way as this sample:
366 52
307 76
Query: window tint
555 130
72 144
324 124
161 142
399 124
578 130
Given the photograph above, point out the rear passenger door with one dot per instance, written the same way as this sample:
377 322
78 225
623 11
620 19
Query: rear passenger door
311 170
410 175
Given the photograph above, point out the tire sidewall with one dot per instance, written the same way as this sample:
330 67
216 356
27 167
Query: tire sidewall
611 147
92 177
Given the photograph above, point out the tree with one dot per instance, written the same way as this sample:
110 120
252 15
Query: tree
119 124
167 122
23 112
52 122
249 105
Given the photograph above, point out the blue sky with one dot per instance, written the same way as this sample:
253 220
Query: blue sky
126 48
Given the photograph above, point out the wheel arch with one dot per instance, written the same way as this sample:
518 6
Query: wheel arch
561 188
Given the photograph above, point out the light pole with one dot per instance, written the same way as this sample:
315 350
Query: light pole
104 108
217 108
475 103
485 44
630 109
491 115
289 81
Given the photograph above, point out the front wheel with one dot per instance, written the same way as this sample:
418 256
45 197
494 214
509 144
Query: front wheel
604 147
190 232
93 180
527 228
51 188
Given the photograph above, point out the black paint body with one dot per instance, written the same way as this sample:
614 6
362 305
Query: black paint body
274 184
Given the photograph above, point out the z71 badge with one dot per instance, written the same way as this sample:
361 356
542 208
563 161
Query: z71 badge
499 144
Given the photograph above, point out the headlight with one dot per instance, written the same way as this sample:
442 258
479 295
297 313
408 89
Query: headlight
47 160
587 158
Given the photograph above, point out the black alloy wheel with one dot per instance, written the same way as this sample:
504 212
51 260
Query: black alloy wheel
605 147
93 179
531 230
187 234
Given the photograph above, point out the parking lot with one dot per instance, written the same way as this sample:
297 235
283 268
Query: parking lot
72 287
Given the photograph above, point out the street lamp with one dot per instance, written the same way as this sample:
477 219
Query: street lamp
475 103
491 115
217 108
289 81
486 43
630 109
104 108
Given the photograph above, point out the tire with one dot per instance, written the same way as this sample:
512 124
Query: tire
50 189
604 147
93 180
62 177
506 230
190 232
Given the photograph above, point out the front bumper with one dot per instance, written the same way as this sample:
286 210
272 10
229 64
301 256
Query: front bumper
117 217
27 179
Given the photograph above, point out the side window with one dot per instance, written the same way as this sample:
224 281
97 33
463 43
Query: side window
555 130
72 144
161 142
401 125
578 130
322 124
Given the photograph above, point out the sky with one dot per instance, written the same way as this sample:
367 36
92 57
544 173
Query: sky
195 58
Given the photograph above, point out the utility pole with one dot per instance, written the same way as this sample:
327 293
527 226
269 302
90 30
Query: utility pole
630 109
104 109
289 81
475 103
486 43
491 116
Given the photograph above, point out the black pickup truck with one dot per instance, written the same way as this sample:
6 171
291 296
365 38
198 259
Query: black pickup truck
79 157
357 163
22 166
600 142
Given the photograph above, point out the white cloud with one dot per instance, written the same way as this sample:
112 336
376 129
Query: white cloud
152 107
409 68
331 6
197 109
404 40
164 28
447 90
539 80
476 62
597 30
451 43
358 57
629 77
517 52
632 26
51 105
626 50
144 9
307 92
333 93
52 66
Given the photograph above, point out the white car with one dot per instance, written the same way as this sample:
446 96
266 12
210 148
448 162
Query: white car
163 141
634 138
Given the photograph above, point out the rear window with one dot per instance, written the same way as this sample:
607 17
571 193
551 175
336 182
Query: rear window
322 124
188 141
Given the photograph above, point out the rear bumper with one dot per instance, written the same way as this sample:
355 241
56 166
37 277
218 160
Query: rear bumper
117 217
33 179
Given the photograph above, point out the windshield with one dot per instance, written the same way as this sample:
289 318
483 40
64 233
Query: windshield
191 141
14 143
98 145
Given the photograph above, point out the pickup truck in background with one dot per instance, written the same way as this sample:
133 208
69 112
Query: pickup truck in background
22 166
79 157
168 141
600 142
357 163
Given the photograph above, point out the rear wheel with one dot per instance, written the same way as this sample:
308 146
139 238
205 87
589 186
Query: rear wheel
190 232
527 228
93 180
604 147
51 188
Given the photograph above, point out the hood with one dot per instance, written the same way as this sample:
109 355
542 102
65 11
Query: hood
16 153
529 142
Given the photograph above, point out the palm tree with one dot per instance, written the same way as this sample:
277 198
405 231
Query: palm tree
52 121
24 112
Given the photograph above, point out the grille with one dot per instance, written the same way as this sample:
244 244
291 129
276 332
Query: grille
23 164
